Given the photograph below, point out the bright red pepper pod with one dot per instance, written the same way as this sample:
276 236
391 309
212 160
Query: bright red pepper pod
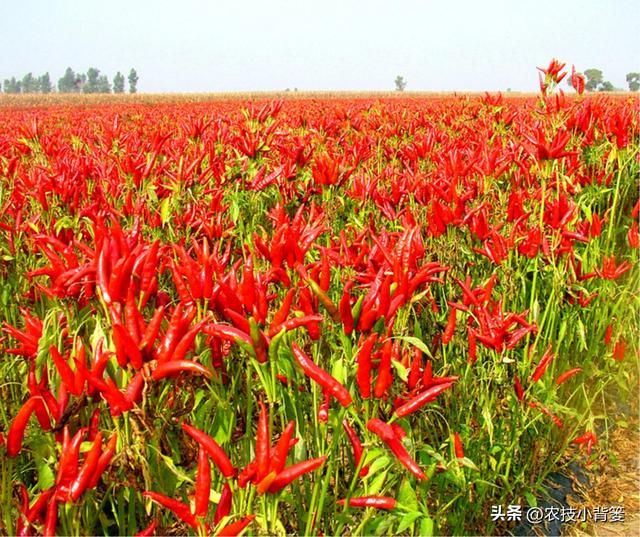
319 375
214 450
235 528
378 502
294 472
19 424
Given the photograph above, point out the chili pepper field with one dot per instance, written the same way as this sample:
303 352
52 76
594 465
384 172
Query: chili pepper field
313 315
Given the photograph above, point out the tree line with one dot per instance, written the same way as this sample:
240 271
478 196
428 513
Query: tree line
71 82
595 81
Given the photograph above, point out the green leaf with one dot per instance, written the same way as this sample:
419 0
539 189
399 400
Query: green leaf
407 496
379 462
223 425
46 478
426 527
376 485
468 463
338 371
531 499
401 370
407 520
416 343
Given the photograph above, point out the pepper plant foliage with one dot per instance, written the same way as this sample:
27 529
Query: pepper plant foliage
349 316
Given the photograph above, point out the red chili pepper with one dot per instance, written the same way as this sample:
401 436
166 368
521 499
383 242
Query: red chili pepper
51 518
294 472
66 373
607 334
450 328
101 272
203 483
258 341
86 471
296 322
356 445
363 359
216 453
457 444
386 434
104 460
181 510
567 375
319 375
279 453
166 369
94 423
282 314
224 505
153 328
323 410
385 376
518 388
148 531
247 474
422 399
344 307
414 370
263 443
235 528
133 392
378 502
542 366
19 424
126 348
248 285
473 347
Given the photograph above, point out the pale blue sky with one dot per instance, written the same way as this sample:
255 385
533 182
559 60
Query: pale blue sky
198 45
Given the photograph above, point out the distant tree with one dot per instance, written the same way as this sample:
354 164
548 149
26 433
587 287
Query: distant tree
79 82
29 83
606 86
67 83
400 83
133 81
594 79
12 85
91 86
633 79
103 84
118 83
44 81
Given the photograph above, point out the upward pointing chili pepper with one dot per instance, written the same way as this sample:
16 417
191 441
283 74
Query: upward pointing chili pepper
324 379
263 443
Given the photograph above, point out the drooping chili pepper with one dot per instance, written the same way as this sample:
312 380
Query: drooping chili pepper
518 388
344 308
385 376
170 339
363 359
153 328
263 443
322 377
279 453
174 367
567 375
323 409
542 366
181 510
86 471
65 371
126 349
235 528
386 434
377 502
19 424
427 375
415 368
292 473
224 505
94 423
258 341
51 519
473 346
203 483
422 399
356 446
324 299
450 328
457 444
214 450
